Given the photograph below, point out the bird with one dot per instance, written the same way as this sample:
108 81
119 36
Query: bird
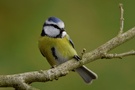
57 47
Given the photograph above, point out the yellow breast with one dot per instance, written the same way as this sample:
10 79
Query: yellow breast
63 49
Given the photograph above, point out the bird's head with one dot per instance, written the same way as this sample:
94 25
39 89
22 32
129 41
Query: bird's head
54 27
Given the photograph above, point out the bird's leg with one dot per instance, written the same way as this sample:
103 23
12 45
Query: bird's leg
76 57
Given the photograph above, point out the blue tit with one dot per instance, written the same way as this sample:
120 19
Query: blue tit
57 47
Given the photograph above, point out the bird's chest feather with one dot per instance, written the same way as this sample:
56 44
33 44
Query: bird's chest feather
56 50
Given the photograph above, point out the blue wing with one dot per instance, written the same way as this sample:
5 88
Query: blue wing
71 42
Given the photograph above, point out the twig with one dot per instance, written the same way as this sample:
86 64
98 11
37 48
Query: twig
110 56
121 18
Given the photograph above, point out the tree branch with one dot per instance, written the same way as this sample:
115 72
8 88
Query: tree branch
22 81
110 56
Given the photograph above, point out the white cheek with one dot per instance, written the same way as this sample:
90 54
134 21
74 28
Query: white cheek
51 31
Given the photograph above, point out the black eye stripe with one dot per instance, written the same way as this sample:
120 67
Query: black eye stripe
55 26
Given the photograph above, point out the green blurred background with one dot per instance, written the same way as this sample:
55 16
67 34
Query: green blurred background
90 23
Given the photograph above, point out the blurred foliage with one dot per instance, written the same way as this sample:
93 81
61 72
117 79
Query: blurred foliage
90 23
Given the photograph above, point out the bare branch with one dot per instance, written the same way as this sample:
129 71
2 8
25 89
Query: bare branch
110 56
121 18
108 46
22 81
18 80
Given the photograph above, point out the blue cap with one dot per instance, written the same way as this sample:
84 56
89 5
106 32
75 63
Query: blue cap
54 19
